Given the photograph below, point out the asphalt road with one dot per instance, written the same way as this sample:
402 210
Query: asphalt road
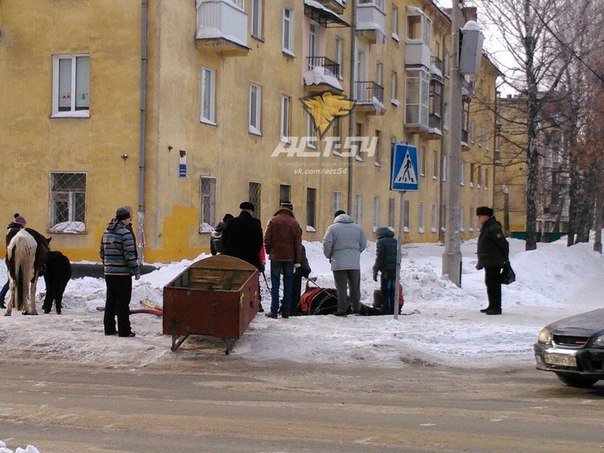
224 404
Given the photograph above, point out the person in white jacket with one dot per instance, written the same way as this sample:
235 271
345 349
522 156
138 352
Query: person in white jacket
343 243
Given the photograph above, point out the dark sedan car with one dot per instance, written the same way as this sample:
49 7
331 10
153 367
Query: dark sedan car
573 348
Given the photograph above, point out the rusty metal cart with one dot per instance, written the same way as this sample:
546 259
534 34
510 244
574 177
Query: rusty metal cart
216 296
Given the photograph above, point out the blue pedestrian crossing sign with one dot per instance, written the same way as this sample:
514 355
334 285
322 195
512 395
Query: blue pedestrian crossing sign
404 172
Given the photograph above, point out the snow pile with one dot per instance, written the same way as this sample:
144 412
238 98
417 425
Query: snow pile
28 449
441 323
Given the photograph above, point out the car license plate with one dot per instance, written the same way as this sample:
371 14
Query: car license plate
560 360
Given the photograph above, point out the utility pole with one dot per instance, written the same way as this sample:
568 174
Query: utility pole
351 133
451 261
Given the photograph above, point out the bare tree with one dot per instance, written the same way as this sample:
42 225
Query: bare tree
528 29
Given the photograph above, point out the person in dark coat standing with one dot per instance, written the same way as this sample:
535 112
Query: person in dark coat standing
216 244
493 253
283 242
242 238
385 263
120 263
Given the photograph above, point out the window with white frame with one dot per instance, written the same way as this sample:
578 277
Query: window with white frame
376 211
358 214
208 96
68 202
394 23
285 118
433 219
394 88
471 219
257 18
311 207
418 26
417 97
336 202
340 56
445 168
71 86
379 73
311 133
462 173
424 157
435 164
461 219
378 148
288 31
421 217
406 213
255 109
486 178
208 204
471 175
479 175
391 212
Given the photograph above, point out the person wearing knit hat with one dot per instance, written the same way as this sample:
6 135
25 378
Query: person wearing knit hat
20 220
288 205
493 253
17 224
246 206
120 263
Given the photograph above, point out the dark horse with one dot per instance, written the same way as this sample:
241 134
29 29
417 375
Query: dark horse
56 277
26 251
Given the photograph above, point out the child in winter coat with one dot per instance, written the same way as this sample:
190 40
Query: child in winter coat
385 262
216 245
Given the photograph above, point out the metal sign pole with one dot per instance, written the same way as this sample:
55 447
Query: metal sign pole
401 220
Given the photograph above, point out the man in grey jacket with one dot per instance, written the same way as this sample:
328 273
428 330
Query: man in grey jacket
343 243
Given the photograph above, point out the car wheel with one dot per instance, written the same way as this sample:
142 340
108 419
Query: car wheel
576 380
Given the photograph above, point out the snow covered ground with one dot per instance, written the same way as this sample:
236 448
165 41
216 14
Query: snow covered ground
441 323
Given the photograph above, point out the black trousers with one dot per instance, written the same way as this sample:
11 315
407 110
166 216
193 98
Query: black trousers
492 278
119 292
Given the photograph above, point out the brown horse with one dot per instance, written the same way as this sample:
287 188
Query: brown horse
26 255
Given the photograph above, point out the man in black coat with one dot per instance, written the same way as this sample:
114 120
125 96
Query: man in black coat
493 253
242 237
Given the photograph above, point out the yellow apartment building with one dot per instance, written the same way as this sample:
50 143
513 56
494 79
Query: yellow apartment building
183 109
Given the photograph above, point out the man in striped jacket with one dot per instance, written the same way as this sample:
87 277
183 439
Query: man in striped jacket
118 253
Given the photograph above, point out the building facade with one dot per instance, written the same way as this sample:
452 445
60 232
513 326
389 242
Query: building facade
185 108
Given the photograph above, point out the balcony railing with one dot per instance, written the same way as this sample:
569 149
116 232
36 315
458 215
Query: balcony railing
438 64
330 65
365 91
435 121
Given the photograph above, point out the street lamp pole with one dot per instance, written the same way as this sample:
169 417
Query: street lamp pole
451 260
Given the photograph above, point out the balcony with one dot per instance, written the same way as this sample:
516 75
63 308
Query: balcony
437 68
371 20
222 27
436 126
369 97
323 15
321 74
336 6
417 42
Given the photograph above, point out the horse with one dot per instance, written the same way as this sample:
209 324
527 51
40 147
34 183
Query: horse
56 276
26 255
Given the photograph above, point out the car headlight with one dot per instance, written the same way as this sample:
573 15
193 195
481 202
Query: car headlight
599 342
545 336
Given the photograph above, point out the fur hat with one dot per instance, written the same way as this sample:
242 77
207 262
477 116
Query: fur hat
122 214
484 210
288 205
247 205
19 219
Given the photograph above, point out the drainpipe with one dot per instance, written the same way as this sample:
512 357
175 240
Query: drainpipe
143 130
353 47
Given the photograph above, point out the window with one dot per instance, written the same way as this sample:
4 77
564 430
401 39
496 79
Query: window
436 97
336 202
255 197
311 206
391 212
378 149
255 109
358 214
379 73
376 211
257 18
479 176
434 164
419 27
480 138
311 133
68 202
417 96
285 118
208 204
406 212
472 131
486 178
340 56
208 96
313 41
288 32
420 217
395 23
462 173
461 219
394 88
433 219
471 175
445 116
424 157
285 192
444 169
336 129
71 86
471 219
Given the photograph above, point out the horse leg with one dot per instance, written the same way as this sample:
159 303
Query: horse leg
11 299
32 295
